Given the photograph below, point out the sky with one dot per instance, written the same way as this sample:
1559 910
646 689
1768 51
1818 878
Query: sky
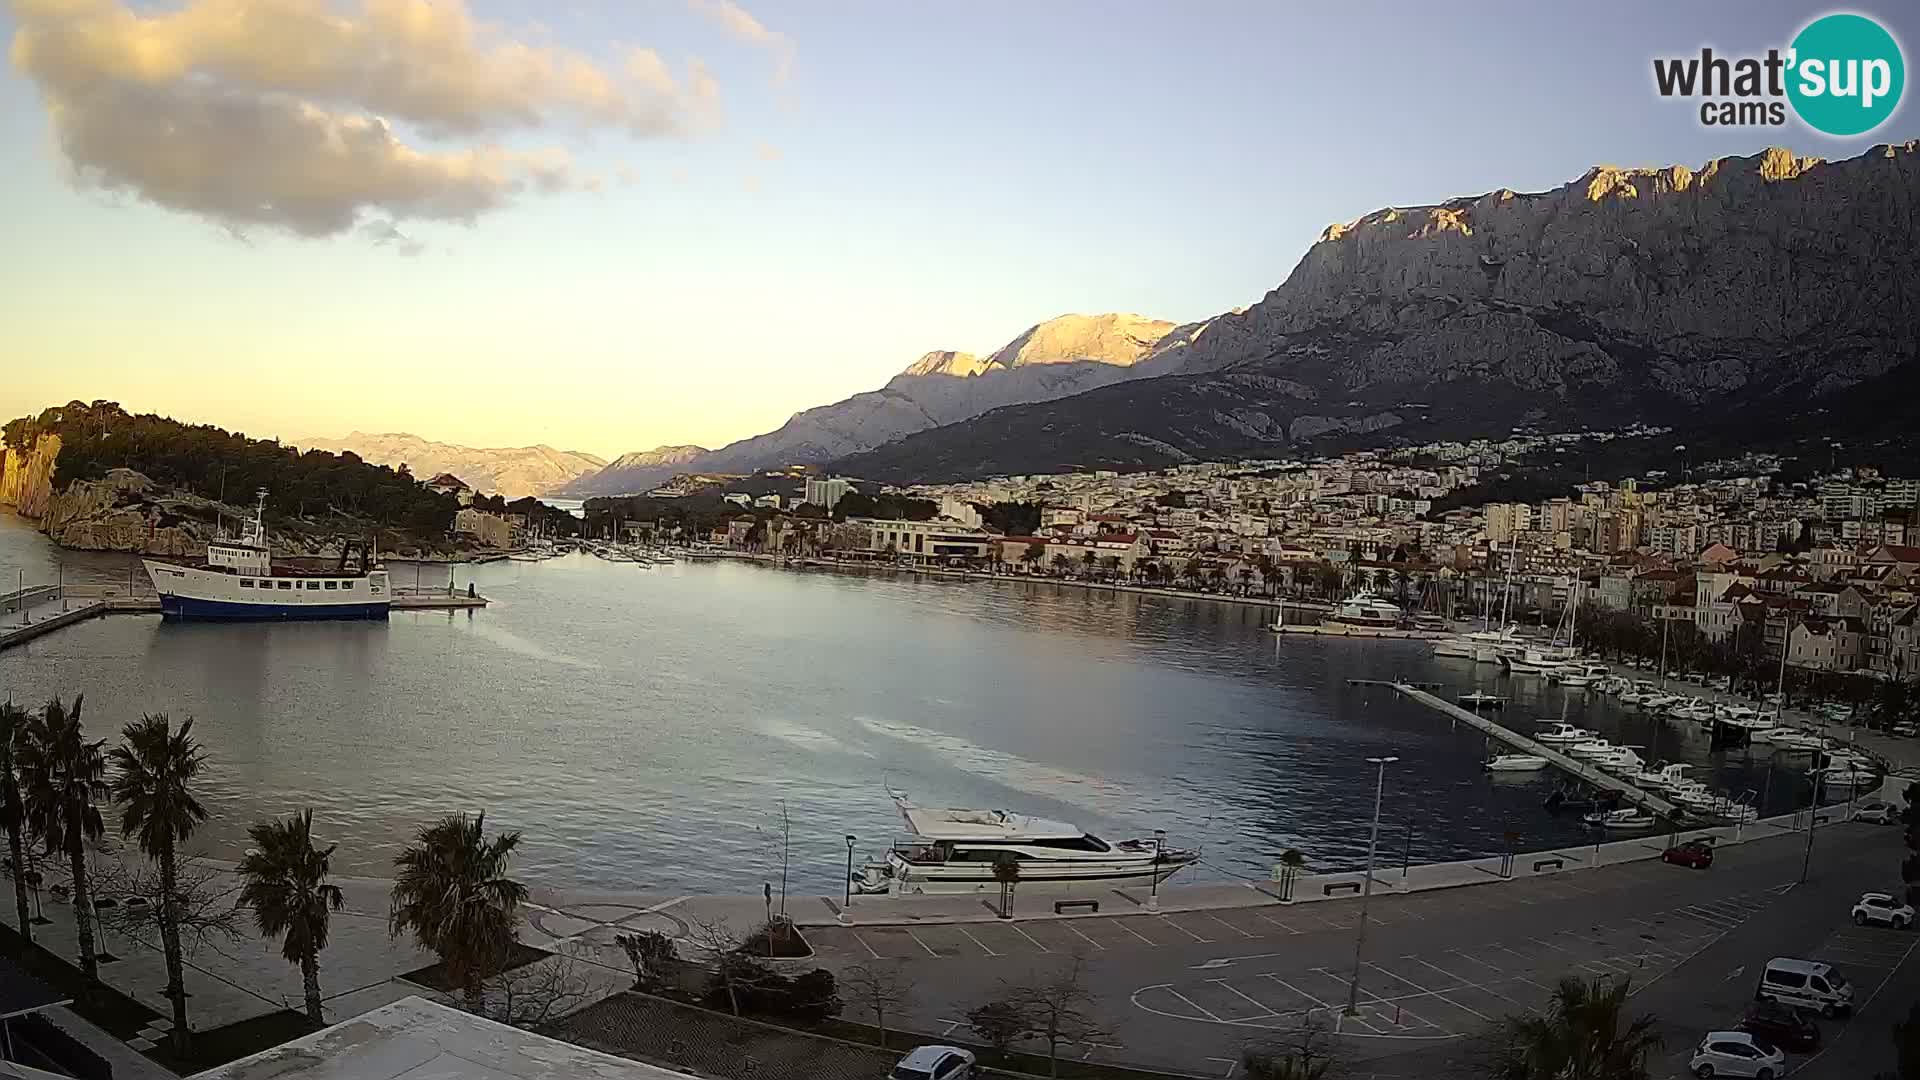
607 226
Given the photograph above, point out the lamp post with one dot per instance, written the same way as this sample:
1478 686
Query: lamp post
1366 886
1153 879
849 894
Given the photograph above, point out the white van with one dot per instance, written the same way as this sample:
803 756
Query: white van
1807 983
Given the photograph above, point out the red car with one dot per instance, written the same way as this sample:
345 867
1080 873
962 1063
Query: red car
1697 854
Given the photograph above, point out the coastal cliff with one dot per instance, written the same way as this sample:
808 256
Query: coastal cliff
26 479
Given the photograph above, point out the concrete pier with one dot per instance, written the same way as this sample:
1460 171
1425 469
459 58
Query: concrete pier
1526 745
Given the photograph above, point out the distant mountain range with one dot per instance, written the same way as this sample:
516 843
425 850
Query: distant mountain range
1053 359
1754 287
1741 299
512 471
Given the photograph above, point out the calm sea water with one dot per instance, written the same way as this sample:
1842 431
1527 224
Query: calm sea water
646 728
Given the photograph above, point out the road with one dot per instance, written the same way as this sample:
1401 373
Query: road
1187 991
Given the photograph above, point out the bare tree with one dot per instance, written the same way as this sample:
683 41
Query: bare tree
531 996
717 939
880 987
204 901
1304 1053
998 1024
1056 1007
652 955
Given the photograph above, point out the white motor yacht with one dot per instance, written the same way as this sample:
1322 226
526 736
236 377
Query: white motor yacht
956 849
1624 818
1515 763
1622 761
1592 749
1363 608
1562 733
1790 739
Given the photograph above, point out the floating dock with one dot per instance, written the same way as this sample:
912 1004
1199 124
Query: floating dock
1580 769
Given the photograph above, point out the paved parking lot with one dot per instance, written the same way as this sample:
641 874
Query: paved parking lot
1442 993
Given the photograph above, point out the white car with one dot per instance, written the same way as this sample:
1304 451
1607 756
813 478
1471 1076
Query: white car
1736 1053
1876 813
1879 907
935 1063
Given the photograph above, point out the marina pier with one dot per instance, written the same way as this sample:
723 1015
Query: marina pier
1580 769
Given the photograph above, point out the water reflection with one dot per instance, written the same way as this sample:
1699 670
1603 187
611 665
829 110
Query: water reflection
643 725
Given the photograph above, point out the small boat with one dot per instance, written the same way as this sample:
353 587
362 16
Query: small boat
1849 776
1515 763
1624 818
1481 700
1563 733
1592 749
1561 803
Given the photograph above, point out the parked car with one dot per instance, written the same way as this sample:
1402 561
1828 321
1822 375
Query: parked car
1879 907
1875 812
1808 983
935 1063
1904 731
1736 1053
1784 1026
1697 854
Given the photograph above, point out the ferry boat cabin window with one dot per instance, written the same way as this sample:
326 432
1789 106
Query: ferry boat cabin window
333 584
245 584
285 584
313 586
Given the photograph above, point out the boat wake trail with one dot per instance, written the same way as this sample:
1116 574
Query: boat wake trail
806 738
1009 770
513 642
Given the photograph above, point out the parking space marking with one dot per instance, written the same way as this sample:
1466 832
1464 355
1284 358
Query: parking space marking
1226 924
1196 1005
1262 1006
863 944
1029 937
1551 945
1482 963
1270 919
1168 921
1076 930
976 941
1379 1002
1122 924
922 944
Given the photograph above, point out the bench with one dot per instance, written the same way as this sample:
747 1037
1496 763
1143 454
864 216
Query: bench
1540 863
1328 890
1060 906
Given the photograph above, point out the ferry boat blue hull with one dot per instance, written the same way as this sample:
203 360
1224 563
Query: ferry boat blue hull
194 610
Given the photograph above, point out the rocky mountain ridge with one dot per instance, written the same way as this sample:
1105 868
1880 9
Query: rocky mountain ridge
508 471
1668 295
1057 358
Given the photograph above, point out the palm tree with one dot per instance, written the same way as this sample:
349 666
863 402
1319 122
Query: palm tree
155 763
286 886
1582 1035
1006 871
453 893
62 779
13 731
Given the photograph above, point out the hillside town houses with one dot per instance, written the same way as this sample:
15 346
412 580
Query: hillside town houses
1826 567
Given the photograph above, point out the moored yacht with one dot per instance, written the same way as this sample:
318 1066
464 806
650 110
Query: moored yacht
1363 608
1563 733
954 851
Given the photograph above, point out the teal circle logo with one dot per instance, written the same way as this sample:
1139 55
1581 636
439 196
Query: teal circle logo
1846 74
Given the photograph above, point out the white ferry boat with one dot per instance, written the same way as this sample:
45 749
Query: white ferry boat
238 581
955 851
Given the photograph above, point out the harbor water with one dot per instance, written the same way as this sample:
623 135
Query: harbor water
695 726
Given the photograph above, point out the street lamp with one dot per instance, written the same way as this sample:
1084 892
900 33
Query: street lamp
1153 879
1366 886
849 893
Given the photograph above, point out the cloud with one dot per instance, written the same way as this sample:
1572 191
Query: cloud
282 113
767 152
739 22
384 232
